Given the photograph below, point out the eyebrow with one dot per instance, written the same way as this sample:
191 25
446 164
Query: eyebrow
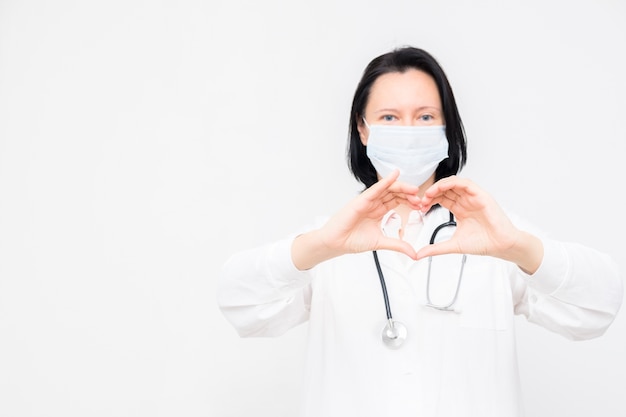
417 109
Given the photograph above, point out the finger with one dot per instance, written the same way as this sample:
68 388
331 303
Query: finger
410 201
403 187
397 245
388 190
451 201
384 183
450 194
390 184
400 198
381 188
449 184
377 190
428 203
435 249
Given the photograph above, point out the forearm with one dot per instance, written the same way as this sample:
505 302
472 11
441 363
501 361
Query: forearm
308 250
526 253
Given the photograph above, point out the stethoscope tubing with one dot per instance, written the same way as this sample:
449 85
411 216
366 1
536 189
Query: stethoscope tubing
381 277
394 332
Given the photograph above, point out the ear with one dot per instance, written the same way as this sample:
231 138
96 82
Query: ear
363 131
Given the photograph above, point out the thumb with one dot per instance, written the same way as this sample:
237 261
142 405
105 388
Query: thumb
441 248
398 246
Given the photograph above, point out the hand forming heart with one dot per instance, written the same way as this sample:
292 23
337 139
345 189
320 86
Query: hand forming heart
482 226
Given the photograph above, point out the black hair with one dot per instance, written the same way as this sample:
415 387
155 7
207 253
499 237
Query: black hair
400 60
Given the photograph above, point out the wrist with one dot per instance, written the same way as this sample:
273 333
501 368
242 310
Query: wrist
527 252
309 249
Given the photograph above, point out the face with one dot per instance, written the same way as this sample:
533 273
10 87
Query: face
410 98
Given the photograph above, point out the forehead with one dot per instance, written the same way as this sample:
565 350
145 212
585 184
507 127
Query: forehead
400 89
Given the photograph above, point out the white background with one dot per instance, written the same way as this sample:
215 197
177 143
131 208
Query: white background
143 142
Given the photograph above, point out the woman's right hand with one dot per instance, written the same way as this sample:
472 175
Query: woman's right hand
357 226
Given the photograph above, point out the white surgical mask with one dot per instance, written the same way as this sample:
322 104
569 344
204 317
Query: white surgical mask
415 150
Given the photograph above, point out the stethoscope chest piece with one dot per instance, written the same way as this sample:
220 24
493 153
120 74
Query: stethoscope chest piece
394 334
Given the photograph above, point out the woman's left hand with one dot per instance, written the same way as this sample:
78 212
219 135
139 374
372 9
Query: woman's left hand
482 226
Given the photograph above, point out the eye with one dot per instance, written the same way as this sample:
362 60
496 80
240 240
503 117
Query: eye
388 118
427 117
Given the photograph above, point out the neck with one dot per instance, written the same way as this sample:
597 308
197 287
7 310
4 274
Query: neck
403 211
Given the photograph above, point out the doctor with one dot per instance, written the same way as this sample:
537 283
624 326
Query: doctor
417 237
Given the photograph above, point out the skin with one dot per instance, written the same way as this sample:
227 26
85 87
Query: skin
412 98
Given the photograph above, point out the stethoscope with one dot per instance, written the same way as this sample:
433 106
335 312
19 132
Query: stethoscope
394 332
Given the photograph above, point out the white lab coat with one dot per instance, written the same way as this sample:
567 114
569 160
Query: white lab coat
457 364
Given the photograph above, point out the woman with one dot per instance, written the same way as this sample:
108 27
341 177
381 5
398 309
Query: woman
447 346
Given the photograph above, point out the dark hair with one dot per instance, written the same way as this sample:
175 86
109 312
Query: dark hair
401 60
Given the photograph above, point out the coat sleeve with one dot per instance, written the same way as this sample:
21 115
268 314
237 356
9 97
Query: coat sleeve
261 292
576 292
